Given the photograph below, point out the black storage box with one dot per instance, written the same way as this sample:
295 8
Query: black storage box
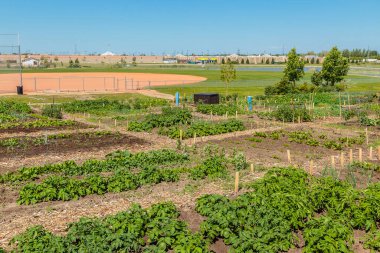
20 90
206 98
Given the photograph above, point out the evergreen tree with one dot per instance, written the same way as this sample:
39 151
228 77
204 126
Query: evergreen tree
294 69
335 67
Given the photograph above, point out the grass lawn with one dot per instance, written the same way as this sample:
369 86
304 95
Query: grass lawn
248 82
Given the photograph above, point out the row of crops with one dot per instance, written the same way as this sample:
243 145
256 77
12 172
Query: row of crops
174 122
120 171
285 209
309 138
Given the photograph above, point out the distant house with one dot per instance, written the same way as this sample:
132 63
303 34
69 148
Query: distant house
30 62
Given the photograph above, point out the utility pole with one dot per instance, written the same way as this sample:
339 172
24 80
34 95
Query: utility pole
19 58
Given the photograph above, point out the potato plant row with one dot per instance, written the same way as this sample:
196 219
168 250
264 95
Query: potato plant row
306 137
65 188
269 217
156 229
113 161
288 201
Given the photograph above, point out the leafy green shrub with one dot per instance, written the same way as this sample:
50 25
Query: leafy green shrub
52 111
289 113
372 240
239 161
327 235
213 167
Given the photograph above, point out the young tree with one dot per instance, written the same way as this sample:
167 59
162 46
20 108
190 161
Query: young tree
316 78
223 61
267 61
134 63
247 61
227 74
317 61
312 61
335 67
242 61
294 67
272 61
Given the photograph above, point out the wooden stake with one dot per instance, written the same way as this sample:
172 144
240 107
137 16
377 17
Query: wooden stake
299 119
252 168
99 123
332 161
366 136
351 157
378 152
180 134
195 138
115 122
127 125
342 160
311 167
340 106
370 153
289 158
236 114
237 182
226 115
360 155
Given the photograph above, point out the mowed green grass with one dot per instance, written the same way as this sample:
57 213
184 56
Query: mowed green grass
247 82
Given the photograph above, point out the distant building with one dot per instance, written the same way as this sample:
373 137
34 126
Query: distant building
30 62
170 60
108 53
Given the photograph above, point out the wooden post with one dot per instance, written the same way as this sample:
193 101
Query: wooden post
311 167
360 155
180 134
236 113
340 106
351 157
299 119
366 136
115 122
252 168
236 182
226 115
342 160
195 137
211 115
332 161
289 158
99 123
127 125
370 153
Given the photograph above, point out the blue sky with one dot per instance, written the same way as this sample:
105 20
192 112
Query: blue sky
194 26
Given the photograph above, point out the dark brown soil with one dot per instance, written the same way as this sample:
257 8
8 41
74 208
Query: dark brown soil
219 246
20 129
73 143
192 218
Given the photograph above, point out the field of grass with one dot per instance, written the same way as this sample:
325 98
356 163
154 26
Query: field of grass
248 82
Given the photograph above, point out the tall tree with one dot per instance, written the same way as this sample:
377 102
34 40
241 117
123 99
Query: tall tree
294 67
335 67
227 74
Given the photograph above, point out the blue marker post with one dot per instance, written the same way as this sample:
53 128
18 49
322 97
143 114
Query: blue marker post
177 98
249 100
